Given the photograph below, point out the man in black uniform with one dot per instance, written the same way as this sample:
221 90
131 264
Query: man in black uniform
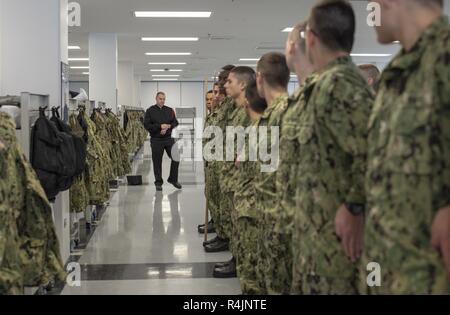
159 121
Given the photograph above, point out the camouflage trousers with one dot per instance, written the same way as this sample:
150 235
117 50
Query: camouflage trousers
247 257
212 194
275 259
404 269
316 285
224 214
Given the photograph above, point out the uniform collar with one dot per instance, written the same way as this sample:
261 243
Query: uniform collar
343 60
309 82
407 60
274 105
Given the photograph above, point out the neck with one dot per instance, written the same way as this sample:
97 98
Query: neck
325 57
240 100
160 106
302 74
418 21
272 94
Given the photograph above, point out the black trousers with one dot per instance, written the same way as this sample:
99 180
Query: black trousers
158 148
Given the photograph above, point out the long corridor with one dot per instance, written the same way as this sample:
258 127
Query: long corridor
147 241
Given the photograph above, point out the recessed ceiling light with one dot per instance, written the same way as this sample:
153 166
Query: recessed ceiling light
288 30
165 70
169 54
79 67
73 47
371 55
170 39
166 75
172 14
249 59
167 63
78 59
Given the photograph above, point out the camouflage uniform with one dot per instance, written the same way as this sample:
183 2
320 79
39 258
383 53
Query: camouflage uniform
272 253
247 231
212 191
228 174
408 177
331 168
79 195
120 143
96 169
29 249
286 175
222 224
12 194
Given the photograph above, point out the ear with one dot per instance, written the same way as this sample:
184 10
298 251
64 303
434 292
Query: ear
310 39
291 47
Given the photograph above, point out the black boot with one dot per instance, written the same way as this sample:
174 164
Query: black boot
219 246
223 264
228 271
215 239
210 229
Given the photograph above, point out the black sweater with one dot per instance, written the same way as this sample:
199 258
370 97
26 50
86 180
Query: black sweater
155 117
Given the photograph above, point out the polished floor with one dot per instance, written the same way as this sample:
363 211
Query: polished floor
147 241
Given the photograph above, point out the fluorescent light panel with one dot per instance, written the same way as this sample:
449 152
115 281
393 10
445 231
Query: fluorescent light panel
288 30
166 75
172 14
73 47
170 39
86 73
169 54
156 79
164 70
78 59
79 67
167 63
249 59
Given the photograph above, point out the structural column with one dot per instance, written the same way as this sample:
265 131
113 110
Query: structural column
103 69
126 82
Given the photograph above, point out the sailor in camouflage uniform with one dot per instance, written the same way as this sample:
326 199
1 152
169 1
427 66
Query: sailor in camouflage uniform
408 179
272 78
331 158
247 214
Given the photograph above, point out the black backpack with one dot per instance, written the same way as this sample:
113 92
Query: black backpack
53 156
78 142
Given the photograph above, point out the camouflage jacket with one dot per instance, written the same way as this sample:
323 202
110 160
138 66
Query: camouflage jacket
245 177
286 175
29 219
239 119
408 177
331 164
266 180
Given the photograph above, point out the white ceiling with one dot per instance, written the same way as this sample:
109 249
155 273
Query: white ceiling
237 28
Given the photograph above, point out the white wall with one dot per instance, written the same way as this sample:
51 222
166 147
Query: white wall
137 91
178 94
30 58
